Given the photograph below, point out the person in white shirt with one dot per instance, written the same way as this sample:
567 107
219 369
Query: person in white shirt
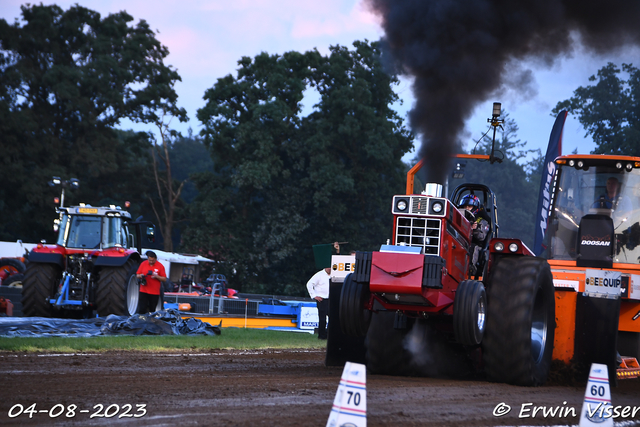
318 287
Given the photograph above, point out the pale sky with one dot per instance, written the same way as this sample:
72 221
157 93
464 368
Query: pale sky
207 38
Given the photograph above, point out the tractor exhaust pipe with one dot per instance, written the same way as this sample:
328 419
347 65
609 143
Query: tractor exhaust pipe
433 190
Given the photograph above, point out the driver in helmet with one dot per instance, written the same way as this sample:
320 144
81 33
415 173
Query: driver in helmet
472 210
470 207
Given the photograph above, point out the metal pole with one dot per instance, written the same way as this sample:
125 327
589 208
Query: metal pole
246 307
446 187
492 157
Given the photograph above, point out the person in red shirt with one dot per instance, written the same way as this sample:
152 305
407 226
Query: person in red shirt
154 274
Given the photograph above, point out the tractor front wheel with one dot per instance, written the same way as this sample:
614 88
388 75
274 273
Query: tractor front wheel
354 317
117 291
38 287
469 311
518 341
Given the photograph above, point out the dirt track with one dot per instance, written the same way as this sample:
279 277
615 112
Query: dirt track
246 388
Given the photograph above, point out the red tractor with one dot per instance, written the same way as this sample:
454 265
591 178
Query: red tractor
91 266
421 293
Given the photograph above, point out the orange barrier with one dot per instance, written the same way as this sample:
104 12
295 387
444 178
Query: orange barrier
248 322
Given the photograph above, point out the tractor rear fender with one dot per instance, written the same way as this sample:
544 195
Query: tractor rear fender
47 258
499 245
113 261
499 248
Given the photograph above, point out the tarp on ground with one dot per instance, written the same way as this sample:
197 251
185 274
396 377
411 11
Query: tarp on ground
164 322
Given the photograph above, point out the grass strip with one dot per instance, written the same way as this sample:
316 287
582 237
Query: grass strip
231 338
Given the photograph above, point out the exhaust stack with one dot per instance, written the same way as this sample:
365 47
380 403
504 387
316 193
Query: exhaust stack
433 190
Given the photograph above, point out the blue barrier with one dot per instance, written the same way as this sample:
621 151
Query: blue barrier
292 308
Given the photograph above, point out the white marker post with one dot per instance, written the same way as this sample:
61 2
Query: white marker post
350 403
597 409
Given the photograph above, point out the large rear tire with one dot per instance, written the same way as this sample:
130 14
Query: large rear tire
518 341
38 286
386 349
469 311
354 317
115 292
419 349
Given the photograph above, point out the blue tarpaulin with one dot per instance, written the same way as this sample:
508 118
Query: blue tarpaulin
164 322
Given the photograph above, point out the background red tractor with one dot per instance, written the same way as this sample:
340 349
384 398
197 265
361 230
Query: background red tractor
91 266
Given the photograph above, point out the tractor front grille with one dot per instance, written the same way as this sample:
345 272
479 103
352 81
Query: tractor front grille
420 232
419 205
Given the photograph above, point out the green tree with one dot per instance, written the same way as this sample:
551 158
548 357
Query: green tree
283 182
133 181
609 110
175 160
355 142
66 79
251 127
169 190
189 155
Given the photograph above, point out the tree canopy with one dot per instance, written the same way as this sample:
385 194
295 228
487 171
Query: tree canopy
270 175
66 79
282 181
609 110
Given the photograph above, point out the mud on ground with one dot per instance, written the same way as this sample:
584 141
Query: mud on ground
248 388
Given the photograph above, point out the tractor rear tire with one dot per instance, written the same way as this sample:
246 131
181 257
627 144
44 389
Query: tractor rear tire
38 286
469 312
419 349
113 291
354 317
518 341
385 346
13 266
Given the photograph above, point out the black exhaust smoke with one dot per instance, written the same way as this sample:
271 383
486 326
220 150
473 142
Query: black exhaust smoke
461 52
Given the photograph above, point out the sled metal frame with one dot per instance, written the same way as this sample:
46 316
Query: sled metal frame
628 369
